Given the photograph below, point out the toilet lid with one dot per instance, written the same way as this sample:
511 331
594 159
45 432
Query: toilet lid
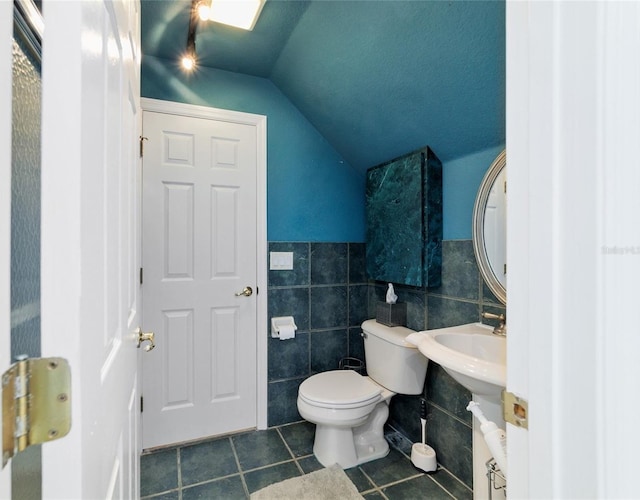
344 388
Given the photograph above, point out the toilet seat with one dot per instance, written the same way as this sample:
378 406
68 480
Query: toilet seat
340 389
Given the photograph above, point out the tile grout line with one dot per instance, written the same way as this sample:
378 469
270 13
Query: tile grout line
375 488
348 280
208 481
179 460
448 413
394 483
309 314
263 467
240 471
456 478
443 488
290 452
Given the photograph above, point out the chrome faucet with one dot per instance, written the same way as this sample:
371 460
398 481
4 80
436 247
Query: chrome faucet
501 329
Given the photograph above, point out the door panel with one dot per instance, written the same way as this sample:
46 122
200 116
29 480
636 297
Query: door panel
178 329
199 250
178 237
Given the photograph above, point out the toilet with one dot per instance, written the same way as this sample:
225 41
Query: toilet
349 409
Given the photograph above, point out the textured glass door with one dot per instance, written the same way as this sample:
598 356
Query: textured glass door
25 222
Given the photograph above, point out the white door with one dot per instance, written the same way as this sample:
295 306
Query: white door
90 241
573 95
200 250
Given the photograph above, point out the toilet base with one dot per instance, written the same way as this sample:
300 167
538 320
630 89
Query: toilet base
372 451
348 446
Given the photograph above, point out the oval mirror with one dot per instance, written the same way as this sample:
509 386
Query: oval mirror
490 227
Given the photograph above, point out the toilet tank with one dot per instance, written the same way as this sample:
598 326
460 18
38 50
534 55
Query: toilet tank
391 361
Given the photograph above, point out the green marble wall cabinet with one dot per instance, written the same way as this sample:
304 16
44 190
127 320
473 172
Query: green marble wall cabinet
404 220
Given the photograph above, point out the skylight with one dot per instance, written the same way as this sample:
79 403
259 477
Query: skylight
239 13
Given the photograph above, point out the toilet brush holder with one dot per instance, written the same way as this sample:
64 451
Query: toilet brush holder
423 457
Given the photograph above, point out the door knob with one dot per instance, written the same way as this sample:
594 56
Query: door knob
247 291
145 337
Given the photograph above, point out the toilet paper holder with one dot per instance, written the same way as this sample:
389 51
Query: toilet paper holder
279 322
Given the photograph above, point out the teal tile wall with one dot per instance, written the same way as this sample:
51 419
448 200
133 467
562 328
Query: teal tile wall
329 296
461 298
326 293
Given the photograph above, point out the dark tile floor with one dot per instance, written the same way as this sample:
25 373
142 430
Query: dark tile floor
232 467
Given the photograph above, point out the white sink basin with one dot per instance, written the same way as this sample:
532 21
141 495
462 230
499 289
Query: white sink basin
471 354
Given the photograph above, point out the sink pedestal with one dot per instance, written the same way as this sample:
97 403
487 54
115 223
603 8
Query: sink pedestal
493 411
477 359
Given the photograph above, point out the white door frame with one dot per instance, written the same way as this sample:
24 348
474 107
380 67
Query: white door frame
260 122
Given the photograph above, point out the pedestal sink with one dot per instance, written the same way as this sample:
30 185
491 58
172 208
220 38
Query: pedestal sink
477 359
471 354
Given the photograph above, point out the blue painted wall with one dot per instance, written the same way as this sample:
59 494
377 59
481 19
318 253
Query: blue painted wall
409 71
313 194
461 179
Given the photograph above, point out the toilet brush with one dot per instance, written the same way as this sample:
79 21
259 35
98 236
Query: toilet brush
423 456
423 420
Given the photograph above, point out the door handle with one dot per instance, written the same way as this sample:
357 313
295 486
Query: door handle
145 337
247 291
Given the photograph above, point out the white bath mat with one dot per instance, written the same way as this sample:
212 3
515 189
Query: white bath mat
324 484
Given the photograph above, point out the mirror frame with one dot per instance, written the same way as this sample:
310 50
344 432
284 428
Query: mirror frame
479 247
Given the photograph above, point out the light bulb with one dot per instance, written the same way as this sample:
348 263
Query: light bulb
204 11
188 62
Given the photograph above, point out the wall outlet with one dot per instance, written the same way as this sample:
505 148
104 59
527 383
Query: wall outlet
281 261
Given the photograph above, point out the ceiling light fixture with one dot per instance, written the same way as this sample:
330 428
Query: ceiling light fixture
239 13
188 62
189 59
204 10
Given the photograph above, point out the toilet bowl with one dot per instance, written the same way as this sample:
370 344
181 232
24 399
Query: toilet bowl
350 409
343 405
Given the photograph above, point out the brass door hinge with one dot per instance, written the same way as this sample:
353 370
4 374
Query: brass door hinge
36 404
515 410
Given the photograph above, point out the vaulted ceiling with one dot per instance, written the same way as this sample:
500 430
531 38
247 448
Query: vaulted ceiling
376 78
